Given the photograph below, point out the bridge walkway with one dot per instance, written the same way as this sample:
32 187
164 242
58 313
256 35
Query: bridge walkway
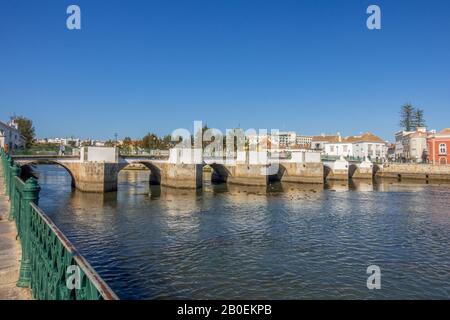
10 252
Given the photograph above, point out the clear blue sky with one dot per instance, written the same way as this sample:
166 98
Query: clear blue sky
137 66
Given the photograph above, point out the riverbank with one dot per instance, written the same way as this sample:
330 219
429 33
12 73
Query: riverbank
10 253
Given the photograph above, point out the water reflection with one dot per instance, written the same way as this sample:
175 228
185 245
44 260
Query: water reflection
361 185
284 241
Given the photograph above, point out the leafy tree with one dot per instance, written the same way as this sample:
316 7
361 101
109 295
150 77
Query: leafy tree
418 118
407 117
167 142
110 143
150 141
127 145
199 135
26 129
127 141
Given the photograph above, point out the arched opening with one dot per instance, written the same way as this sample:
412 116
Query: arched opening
375 170
219 173
155 172
351 170
443 161
277 177
28 169
326 172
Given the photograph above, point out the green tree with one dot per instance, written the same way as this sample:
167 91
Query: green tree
127 145
167 142
151 141
127 141
418 118
199 135
407 117
110 143
26 129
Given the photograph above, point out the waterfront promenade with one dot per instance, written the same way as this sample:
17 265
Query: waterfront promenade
10 252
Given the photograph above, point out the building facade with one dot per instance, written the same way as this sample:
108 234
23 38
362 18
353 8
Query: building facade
318 142
399 136
75 142
303 141
411 146
10 137
439 147
360 146
286 139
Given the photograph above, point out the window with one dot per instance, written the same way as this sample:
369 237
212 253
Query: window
331 148
442 148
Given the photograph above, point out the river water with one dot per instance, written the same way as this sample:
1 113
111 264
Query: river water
288 241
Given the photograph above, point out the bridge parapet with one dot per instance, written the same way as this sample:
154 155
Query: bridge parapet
336 170
361 170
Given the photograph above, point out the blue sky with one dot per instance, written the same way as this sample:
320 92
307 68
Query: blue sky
137 66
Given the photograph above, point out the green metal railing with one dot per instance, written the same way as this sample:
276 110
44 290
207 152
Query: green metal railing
51 266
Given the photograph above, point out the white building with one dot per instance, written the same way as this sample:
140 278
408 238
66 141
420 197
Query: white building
399 137
286 139
411 145
303 141
318 142
361 146
340 148
10 137
61 141
415 145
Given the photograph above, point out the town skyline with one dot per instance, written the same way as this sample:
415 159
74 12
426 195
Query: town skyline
122 134
307 67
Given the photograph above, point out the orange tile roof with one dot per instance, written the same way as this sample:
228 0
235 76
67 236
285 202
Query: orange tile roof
365 137
326 138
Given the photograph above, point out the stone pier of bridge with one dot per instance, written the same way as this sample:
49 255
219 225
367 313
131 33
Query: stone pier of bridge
257 170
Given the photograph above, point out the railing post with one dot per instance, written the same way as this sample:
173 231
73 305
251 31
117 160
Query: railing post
6 173
10 167
15 173
2 163
30 194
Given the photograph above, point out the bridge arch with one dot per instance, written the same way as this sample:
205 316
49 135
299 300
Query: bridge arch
375 169
352 168
155 171
220 173
27 164
327 171
279 175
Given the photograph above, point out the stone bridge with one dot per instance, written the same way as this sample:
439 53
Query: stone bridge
342 169
96 169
